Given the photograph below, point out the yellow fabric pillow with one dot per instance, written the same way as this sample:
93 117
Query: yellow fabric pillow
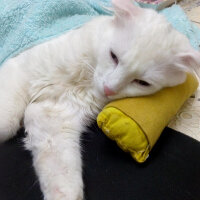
136 123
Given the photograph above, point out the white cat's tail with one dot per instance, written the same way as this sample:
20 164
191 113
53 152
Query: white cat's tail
13 100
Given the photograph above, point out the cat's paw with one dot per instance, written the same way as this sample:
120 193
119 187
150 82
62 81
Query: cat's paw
59 194
72 190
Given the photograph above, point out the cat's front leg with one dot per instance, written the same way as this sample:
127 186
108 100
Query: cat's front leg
53 137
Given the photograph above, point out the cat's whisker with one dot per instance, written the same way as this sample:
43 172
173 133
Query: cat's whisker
90 67
33 185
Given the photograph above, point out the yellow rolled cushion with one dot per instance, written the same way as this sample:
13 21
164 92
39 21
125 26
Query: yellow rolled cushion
136 123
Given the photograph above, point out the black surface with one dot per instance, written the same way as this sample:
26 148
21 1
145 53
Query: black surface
17 178
172 171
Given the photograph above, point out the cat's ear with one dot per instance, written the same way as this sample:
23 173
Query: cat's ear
182 63
189 61
125 9
174 75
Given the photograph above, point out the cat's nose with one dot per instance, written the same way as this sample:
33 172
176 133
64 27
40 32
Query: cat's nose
108 91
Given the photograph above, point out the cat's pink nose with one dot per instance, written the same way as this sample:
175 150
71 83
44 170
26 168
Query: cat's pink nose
108 91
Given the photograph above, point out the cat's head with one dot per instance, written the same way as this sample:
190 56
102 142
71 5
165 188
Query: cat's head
140 53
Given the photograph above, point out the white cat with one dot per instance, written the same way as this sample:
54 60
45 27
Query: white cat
57 87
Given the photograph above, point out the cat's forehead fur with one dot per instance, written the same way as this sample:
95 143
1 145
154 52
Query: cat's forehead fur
148 33
146 38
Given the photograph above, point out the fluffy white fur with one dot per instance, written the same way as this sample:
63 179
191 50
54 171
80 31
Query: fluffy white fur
57 87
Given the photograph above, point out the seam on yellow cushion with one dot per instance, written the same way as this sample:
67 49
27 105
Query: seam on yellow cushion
102 120
131 119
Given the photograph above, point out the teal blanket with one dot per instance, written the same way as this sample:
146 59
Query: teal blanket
25 23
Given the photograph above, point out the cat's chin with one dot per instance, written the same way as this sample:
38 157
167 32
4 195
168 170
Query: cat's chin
115 97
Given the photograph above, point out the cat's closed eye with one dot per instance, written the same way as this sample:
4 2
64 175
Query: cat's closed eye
114 57
141 82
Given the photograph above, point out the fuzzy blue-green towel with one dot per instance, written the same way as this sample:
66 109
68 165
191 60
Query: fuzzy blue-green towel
26 23
180 21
